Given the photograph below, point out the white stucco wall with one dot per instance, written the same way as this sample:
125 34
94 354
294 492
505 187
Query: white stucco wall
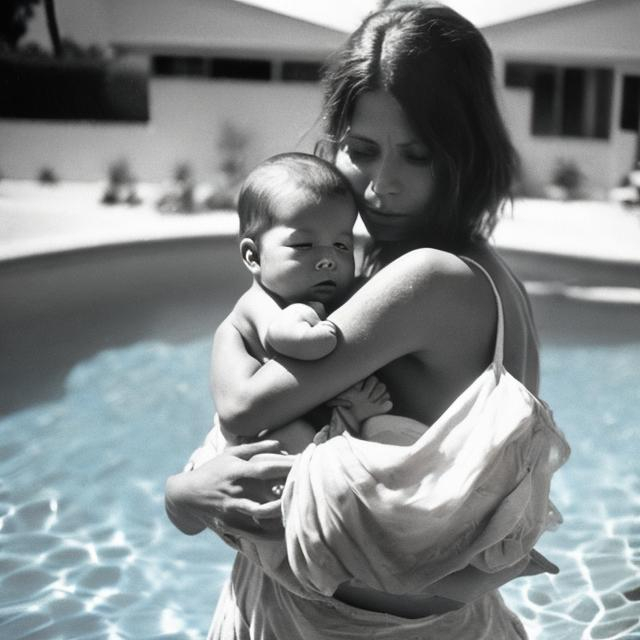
602 162
186 119
600 33
186 114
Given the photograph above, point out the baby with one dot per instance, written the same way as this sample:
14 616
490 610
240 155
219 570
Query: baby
296 238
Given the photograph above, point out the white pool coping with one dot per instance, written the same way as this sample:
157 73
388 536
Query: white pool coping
38 220
604 231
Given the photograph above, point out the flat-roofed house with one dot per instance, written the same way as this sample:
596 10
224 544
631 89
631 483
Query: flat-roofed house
570 82
216 66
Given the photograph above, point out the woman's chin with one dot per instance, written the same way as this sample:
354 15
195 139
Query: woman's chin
388 235
387 231
382 234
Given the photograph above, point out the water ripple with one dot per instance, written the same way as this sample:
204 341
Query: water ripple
87 551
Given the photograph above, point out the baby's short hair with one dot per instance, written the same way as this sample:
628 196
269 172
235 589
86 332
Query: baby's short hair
315 177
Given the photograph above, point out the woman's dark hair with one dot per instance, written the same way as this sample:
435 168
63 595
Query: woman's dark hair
311 176
439 68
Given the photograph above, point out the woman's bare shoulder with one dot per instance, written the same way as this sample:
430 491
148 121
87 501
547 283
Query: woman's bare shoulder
426 258
424 296
431 272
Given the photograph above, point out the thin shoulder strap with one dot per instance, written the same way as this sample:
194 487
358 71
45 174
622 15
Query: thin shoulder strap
498 352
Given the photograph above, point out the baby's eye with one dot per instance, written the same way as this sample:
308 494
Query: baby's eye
301 245
342 246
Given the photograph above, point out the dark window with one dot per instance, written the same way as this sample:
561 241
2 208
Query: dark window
235 68
521 75
567 101
184 66
240 69
630 110
573 91
74 90
293 71
544 104
603 98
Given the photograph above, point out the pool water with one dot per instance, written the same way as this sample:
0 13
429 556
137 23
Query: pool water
86 550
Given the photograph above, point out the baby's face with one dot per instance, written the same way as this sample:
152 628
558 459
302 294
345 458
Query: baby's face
308 254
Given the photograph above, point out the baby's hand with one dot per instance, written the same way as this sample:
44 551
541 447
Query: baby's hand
300 332
318 307
365 399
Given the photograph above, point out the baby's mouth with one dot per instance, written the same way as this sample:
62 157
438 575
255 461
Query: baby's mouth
325 283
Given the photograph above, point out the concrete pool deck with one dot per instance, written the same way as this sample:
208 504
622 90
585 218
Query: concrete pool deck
39 219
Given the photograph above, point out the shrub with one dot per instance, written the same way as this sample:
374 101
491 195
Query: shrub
567 176
180 196
120 173
121 186
222 197
232 146
231 165
48 175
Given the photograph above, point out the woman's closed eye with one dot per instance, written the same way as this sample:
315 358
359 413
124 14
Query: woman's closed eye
301 245
418 157
359 150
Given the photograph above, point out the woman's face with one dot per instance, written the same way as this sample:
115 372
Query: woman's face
388 166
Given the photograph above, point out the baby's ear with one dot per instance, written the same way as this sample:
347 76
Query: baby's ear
250 255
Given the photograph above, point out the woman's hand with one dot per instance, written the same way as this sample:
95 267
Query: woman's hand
234 489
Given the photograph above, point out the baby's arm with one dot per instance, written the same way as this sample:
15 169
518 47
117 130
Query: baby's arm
300 331
230 346
228 339
256 326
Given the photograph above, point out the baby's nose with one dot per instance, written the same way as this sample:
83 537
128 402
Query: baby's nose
325 263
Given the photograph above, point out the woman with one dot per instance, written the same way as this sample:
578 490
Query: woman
411 121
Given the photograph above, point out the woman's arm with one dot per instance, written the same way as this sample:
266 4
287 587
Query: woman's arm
406 308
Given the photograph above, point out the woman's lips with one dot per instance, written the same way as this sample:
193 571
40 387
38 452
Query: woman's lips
379 215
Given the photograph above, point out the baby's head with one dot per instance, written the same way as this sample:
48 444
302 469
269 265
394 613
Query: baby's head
296 228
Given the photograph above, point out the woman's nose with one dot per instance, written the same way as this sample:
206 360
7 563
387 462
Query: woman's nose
384 180
325 264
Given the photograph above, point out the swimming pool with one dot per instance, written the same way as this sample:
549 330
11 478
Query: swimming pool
105 392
